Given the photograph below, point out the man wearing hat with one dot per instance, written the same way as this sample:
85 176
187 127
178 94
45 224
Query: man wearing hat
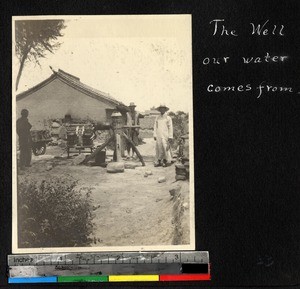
133 119
163 135
23 131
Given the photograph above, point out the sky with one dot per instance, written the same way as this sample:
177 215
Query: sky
142 59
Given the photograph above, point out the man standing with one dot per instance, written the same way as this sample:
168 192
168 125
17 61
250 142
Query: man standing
23 131
163 135
133 120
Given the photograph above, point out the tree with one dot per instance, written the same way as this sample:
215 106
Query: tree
34 38
180 126
180 112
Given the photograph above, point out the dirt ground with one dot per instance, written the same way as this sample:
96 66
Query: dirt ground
132 210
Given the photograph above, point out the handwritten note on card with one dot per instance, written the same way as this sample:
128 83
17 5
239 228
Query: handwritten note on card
260 31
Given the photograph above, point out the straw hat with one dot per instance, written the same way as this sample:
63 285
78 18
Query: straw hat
132 104
162 106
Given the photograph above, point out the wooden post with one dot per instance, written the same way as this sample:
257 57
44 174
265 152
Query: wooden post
135 149
100 148
118 129
118 148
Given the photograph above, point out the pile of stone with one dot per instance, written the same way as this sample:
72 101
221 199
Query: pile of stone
182 170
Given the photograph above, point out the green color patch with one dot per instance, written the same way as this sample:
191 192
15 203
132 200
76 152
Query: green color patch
64 279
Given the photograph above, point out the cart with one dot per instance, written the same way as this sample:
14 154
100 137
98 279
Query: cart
80 138
40 138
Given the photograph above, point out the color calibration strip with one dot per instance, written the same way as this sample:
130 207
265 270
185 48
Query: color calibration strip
107 267
110 278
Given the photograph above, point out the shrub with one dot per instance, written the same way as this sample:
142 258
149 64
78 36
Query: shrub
180 126
53 213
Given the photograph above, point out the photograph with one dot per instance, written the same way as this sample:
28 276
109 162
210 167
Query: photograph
102 133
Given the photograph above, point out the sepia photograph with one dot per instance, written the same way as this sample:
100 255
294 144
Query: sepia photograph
102 113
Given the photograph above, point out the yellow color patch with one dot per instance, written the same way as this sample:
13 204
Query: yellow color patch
132 278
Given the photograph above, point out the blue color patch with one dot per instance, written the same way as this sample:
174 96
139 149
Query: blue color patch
22 280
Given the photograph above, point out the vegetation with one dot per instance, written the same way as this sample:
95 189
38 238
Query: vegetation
180 126
53 213
34 38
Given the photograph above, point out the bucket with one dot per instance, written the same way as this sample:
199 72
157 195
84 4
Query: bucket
100 158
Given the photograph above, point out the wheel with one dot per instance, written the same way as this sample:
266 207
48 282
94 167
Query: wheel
39 150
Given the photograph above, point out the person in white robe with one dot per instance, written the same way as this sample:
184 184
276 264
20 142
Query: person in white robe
163 135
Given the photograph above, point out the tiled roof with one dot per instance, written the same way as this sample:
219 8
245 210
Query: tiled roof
151 112
154 112
74 82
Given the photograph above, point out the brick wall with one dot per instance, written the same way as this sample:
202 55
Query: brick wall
147 122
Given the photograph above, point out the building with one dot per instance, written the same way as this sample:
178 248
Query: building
149 118
63 93
151 112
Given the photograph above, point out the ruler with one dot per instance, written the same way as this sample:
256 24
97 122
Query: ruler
199 257
109 267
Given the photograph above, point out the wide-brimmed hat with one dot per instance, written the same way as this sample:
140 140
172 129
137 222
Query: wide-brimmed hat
132 104
162 106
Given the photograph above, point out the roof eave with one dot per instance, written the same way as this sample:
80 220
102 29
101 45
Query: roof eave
36 87
74 85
